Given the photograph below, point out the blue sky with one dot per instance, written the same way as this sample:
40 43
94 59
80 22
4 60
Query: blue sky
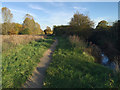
60 13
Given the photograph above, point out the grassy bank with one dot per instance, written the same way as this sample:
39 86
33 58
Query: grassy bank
19 62
71 67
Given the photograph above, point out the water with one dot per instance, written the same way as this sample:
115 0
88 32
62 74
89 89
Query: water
106 62
105 59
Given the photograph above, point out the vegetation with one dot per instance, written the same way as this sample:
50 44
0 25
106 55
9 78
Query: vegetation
25 31
48 30
19 62
81 20
104 36
79 25
12 41
71 67
6 17
75 62
29 26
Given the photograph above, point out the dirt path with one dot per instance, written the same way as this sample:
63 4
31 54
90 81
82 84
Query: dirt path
36 80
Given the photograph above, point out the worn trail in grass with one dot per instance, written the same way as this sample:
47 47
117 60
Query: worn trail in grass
19 62
36 80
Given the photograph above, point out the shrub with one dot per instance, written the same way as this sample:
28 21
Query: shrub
25 31
77 42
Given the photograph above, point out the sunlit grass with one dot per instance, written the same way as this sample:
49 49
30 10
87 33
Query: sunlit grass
19 62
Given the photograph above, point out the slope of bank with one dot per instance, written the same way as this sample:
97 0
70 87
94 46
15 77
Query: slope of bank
73 68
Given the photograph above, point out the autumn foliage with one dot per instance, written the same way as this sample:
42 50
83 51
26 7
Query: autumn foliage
28 27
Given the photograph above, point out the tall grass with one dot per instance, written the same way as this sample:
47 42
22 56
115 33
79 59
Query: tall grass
11 41
77 42
89 48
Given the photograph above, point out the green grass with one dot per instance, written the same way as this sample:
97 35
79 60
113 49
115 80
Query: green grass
73 68
18 63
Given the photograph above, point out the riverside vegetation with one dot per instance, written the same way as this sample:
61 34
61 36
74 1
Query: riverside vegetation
76 63
71 67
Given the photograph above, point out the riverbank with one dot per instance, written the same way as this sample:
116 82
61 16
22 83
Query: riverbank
71 67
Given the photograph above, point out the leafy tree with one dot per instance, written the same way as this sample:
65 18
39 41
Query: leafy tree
12 32
81 20
34 27
38 30
81 24
16 27
29 23
48 30
102 25
6 17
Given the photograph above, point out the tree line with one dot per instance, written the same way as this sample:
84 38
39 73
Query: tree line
106 36
29 26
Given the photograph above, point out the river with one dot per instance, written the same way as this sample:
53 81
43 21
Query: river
106 62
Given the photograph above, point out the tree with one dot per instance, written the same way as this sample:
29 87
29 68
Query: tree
25 31
81 20
29 23
116 33
102 25
81 24
48 30
38 30
6 17
12 32
16 28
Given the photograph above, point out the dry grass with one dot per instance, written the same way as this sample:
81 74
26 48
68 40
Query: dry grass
9 41
76 41
91 49
20 39
117 63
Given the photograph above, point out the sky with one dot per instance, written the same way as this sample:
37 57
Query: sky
60 13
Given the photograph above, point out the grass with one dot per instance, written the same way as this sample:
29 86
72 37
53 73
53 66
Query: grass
11 41
71 67
19 62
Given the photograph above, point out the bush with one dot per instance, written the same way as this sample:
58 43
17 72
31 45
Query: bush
72 30
77 42
25 31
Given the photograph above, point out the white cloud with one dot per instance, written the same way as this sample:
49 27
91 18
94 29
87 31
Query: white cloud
36 7
18 15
